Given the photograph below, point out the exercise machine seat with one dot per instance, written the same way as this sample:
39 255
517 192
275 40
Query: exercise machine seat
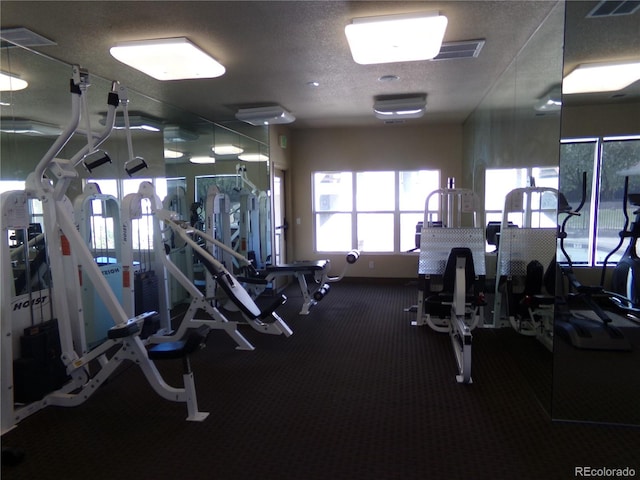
449 277
193 340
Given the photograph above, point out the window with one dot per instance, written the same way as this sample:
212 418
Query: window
606 160
541 209
500 181
370 211
142 230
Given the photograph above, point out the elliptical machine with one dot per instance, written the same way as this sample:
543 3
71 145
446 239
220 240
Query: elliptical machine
592 328
625 279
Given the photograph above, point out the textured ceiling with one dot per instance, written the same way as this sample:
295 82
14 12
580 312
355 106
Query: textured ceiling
271 50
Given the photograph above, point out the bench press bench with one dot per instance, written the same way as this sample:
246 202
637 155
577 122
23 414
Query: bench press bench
318 270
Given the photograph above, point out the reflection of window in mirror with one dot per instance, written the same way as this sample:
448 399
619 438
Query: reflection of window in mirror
606 160
500 181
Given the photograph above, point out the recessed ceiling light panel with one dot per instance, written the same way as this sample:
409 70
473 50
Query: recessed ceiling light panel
202 159
227 149
265 115
400 108
11 83
396 38
253 157
601 77
168 59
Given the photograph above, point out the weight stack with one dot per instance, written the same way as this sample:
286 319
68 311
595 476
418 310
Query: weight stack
146 295
39 370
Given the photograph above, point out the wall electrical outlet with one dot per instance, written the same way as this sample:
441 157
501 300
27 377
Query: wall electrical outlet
371 264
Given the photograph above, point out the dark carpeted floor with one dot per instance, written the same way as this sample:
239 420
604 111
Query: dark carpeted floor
355 393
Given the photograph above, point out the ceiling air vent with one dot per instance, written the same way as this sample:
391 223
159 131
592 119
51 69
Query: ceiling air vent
22 37
465 49
610 8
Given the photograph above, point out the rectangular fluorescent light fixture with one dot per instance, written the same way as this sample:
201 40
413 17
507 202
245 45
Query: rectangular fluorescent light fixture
30 128
253 157
202 160
550 101
400 108
265 115
136 122
175 134
11 83
227 150
601 77
168 59
169 153
396 38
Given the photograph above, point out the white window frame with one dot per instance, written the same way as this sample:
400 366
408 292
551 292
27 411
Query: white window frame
396 211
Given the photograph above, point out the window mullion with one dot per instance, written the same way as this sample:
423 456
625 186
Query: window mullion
354 211
595 200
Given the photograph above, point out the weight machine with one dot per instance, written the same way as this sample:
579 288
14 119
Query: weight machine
180 253
98 219
67 248
525 249
451 271
165 223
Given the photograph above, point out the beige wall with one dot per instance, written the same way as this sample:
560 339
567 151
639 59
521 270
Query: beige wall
397 147
601 120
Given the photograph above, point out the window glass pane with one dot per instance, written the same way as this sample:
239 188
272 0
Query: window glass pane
333 232
545 177
131 185
176 199
499 182
618 159
576 158
8 185
107 187
332 191
375 191
408 222
415 186
160 185
375 232
142 229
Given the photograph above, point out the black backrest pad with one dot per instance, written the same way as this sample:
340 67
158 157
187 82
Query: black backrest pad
533 280
449 278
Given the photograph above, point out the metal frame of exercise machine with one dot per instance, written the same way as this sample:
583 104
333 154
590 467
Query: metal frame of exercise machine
317 271
263 321
517 249
49 182
181 254
97 217
448 248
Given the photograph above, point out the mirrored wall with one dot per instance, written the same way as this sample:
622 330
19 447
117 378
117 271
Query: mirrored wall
511 142
597 348
185 156
519 134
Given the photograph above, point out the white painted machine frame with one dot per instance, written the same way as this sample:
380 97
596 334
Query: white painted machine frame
218 321
516 248
436 242
49 183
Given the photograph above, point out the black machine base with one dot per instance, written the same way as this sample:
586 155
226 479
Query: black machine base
590 334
